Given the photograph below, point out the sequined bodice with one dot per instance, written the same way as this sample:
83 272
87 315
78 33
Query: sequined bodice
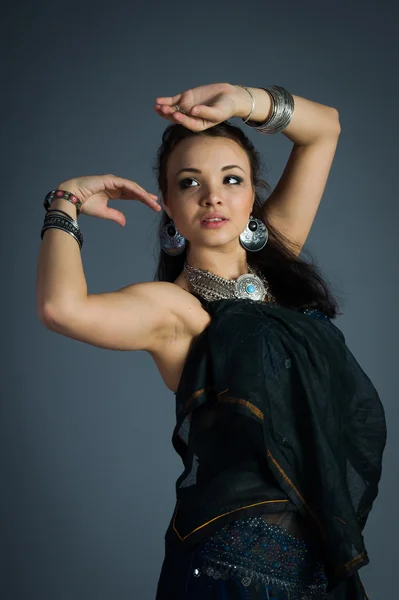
261 560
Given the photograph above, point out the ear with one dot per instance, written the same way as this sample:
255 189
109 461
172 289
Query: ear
165 207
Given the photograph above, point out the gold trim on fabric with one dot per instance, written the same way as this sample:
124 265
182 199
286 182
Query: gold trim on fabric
350 563
222 392
254 409
219 516
288 480
195 395
340 520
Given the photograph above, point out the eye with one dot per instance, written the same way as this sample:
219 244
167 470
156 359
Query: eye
182 182
239 179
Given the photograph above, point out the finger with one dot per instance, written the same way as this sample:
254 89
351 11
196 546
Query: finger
162 113
166 117
130 190
149 199
194 124
175 116
115 215
127 187
145 198
168 100
166 110
210 113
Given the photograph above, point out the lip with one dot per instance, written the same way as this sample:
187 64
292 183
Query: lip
213 224
213 215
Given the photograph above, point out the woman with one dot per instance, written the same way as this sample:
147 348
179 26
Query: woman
280 431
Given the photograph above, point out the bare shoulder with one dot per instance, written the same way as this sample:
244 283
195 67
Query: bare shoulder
174 293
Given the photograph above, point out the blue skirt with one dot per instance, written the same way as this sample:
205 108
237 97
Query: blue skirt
251 558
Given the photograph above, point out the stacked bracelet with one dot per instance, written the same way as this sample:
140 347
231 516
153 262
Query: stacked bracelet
63 221
282 112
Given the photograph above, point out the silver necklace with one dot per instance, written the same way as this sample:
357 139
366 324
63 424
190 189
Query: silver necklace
213 287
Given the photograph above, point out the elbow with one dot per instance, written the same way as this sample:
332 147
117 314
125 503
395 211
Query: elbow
335 121
47 317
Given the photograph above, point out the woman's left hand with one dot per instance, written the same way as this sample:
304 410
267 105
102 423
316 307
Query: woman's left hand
205 106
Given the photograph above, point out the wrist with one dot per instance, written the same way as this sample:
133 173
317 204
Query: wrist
68 186
65 205
242 101
263 104
65 193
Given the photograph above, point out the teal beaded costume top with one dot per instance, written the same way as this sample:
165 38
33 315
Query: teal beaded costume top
275 415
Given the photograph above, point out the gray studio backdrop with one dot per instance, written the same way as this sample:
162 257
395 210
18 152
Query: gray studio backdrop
87 466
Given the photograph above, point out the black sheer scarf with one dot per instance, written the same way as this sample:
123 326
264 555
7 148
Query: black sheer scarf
269 393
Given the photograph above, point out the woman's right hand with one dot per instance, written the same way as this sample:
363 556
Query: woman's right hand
94 191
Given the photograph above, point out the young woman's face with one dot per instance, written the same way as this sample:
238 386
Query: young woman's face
205 186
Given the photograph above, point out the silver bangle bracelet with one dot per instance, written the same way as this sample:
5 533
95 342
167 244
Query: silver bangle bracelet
62 229
252 100
282 113
66 223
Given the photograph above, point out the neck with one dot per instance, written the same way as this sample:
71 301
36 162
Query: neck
225 264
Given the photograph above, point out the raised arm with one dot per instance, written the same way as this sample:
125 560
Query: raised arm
315 130
136 317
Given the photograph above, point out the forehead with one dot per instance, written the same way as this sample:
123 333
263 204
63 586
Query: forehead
207 153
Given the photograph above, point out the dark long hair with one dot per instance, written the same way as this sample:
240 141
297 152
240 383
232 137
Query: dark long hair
294 282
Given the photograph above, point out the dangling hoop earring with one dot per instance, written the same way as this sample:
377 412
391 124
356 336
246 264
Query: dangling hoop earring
255 235
171 241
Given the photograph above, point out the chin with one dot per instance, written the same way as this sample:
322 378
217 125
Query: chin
217 241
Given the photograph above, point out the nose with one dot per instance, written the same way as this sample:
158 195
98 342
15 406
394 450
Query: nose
211 197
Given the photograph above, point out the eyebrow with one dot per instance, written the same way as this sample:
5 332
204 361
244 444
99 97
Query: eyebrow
192 170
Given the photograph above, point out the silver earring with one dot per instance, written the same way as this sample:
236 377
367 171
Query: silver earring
171 241
255 235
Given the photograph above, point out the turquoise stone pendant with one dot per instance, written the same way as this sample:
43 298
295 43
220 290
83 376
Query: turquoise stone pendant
251 287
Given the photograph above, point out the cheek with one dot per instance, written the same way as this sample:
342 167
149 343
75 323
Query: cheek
184 219
241 211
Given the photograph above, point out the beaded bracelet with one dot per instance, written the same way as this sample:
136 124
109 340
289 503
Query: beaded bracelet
62 194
